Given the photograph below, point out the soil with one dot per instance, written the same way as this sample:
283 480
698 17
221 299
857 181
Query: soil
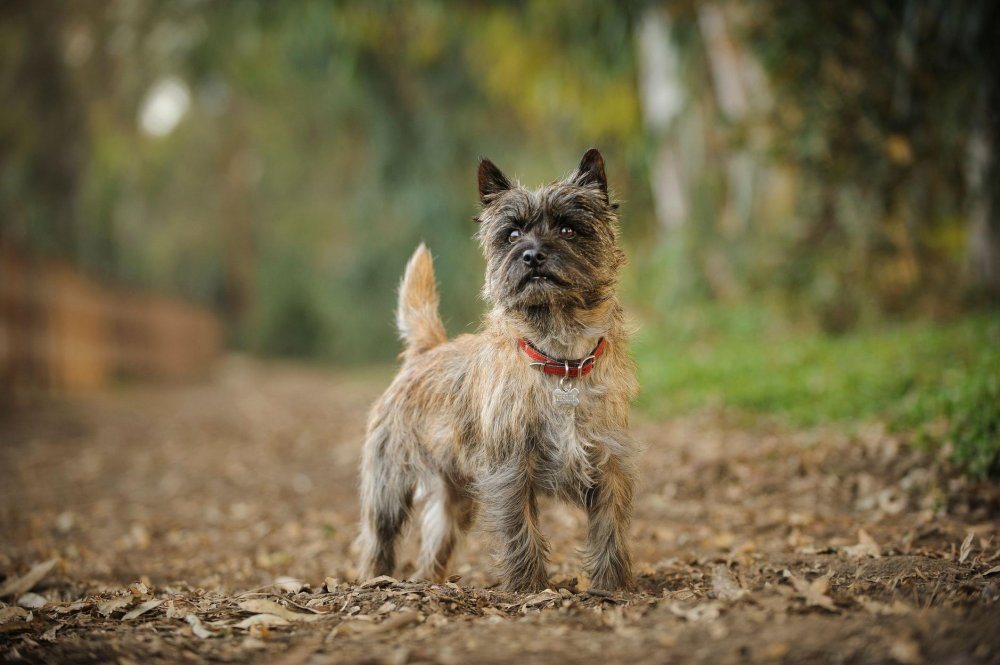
214 522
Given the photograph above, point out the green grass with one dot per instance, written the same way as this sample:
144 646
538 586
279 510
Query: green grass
912 376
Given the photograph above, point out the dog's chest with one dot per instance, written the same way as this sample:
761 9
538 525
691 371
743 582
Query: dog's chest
565 442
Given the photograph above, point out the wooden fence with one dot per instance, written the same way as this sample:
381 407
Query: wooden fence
62 331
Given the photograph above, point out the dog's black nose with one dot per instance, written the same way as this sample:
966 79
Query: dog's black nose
533 257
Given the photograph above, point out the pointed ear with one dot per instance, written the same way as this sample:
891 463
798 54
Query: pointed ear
492 181
591 172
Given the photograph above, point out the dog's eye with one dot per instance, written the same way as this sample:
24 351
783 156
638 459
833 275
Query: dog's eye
514 236
567 233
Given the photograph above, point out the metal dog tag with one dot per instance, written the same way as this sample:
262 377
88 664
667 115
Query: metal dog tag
566 395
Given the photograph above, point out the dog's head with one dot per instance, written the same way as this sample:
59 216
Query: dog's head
552 248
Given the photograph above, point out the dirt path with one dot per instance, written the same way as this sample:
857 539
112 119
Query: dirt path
752 544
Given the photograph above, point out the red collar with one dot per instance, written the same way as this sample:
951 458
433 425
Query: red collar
568 368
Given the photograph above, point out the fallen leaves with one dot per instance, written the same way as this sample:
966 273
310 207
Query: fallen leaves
289 584
199 629
966 548
813 593
13 613
541 598
698 612
380 581
724 584
261 620
141 609
72 607
264 606
109 606
708 563
866 547
27 582
400 620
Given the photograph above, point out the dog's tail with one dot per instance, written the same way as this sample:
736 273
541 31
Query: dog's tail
417 315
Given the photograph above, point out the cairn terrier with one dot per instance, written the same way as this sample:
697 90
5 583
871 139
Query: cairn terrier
537 403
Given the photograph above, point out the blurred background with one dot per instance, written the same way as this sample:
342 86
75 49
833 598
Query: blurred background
809 188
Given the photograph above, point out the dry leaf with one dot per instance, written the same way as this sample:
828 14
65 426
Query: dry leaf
680 594
699 612
138 589
262 620
26 582
289 584
724 584
348 628
32 601
111 605
264 606
73 607
866 546
142 609
966 549
174 611
198 628
380 581
814 593
13 613
399 621
386 607
540 598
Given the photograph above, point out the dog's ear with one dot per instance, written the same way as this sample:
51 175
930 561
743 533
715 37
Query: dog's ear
492 181
590 173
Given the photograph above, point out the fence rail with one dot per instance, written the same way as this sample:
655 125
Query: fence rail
62 331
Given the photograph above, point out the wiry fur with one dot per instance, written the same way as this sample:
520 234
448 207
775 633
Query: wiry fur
471 427
417 315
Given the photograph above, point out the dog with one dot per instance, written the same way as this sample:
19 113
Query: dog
535 404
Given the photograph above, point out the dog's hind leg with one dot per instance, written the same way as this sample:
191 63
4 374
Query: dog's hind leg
386 498
447 514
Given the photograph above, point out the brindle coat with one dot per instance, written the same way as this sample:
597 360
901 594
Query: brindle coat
470 427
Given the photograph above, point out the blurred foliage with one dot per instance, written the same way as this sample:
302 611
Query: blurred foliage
974 413
827 170
324 140
321 141
878 104
788 170
962 409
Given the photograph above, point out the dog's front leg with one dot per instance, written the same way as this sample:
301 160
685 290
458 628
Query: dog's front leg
507 497
609 511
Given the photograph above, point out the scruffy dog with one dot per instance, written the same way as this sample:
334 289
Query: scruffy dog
535 404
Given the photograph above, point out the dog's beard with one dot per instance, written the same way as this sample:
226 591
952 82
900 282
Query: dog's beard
554 285
540 280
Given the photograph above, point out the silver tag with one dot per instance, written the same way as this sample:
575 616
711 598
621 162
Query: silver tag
563 397
565 394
